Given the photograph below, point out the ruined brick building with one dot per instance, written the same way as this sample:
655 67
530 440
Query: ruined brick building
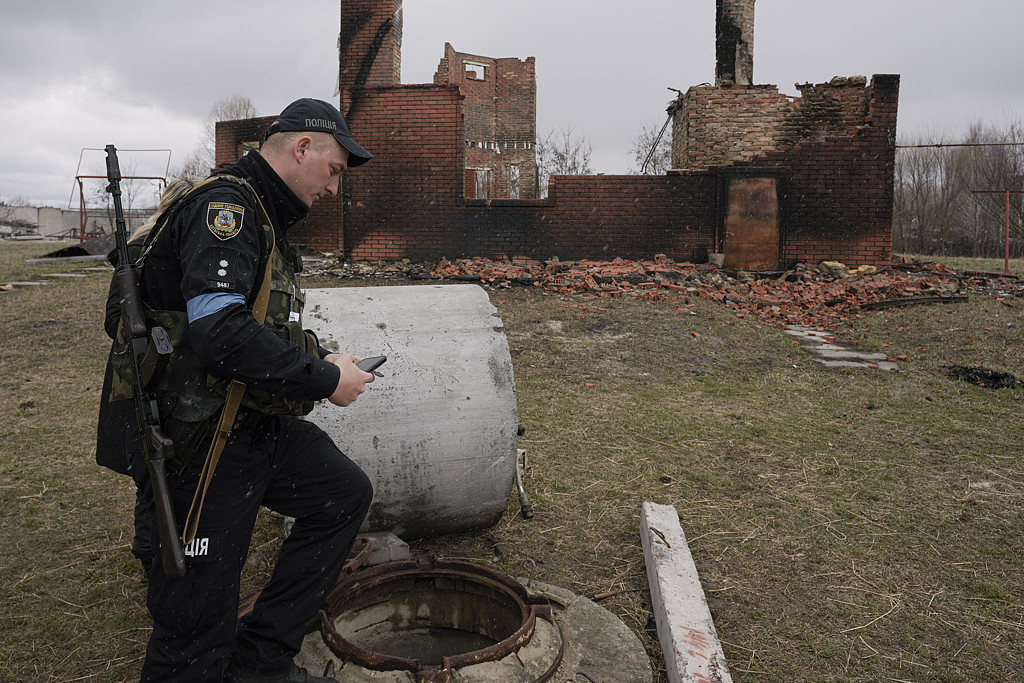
499 122
762 177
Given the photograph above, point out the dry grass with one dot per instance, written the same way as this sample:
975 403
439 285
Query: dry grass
1016 265
847 525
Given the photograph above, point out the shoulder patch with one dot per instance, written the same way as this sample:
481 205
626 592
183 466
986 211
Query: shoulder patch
224 220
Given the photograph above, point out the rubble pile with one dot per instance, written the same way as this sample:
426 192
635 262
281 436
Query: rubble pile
815 296
811 295
328 265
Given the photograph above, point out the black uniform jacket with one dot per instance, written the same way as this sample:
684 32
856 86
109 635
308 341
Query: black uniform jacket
213 252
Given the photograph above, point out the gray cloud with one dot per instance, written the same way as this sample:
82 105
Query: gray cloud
143 75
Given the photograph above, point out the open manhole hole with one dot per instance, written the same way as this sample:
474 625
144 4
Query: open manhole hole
435 621
432 621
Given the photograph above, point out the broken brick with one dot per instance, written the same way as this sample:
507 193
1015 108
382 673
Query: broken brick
804 297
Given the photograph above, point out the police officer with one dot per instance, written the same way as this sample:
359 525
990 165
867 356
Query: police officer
202 269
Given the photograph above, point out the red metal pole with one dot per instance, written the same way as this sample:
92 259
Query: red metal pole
1006 265
1006 235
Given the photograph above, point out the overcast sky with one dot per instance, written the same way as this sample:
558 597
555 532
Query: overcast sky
143 75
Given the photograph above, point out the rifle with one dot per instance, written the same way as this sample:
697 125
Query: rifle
149 349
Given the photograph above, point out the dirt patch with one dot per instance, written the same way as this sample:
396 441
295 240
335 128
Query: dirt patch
983 377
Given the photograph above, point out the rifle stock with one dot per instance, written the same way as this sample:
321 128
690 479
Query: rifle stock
157 447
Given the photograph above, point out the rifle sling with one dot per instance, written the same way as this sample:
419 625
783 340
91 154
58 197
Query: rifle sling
227 418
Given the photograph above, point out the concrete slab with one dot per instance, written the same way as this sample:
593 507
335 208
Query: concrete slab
66 259
842 363
597 643
385 547
839 352
810 335
823 347
880 365
686 631
833 355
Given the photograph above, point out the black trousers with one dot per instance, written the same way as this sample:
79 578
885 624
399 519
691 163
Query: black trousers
142 543
290 466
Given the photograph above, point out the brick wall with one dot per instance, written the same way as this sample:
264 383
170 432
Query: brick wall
398 202
714 126
407 202
717 126
231 136
632 216
500 121
832 151
835 194
835 199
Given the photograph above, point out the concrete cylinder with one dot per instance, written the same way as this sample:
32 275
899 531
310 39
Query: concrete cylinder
437 434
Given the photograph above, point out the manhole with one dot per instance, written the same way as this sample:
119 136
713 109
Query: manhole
433 621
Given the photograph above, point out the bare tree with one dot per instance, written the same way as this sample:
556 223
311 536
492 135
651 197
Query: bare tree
6 212
927 196
935 211
134 193
196 166
562 152
10 224
995 168
203 158
652 146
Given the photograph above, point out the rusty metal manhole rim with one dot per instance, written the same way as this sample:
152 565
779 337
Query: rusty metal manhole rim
349 592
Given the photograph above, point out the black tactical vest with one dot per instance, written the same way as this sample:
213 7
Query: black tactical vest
187 391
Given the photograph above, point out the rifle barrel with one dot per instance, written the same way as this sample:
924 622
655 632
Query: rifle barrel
156 446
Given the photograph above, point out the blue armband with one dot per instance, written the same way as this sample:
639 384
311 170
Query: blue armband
205 304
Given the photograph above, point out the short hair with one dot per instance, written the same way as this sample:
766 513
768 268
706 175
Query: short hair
281 141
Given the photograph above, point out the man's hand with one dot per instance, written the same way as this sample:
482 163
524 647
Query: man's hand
352 381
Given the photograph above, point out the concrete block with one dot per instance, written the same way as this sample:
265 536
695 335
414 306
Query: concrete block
881 365
838 353
385 547
809 336
842 363
686 631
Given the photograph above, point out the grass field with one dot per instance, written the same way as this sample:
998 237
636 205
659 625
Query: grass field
985 264
847 525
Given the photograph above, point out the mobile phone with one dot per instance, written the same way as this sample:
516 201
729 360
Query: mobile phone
371 364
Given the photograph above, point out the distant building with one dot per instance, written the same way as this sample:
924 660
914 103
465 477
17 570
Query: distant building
764 178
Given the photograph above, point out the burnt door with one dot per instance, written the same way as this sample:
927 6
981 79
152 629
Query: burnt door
751 224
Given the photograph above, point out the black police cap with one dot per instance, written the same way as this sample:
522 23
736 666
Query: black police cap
307 114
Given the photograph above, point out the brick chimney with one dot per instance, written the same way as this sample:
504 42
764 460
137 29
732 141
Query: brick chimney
369 45
734 42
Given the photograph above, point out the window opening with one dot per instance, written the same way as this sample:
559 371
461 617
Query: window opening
477 72
483 181
513 181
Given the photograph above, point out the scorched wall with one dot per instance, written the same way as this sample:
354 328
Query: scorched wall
831 153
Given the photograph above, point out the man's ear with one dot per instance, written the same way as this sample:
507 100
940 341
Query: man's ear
302 146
